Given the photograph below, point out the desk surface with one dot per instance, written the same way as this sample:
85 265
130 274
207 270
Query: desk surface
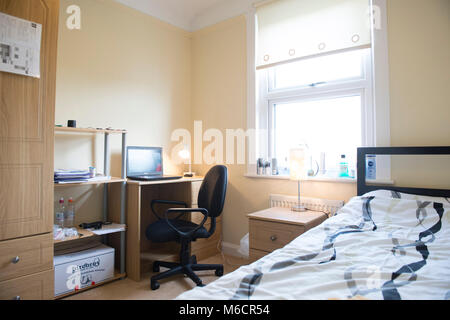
182 180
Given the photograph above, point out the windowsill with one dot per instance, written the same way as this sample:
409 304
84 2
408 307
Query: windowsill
314 179
322 179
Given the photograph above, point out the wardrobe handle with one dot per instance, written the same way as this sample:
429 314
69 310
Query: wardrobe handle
16 260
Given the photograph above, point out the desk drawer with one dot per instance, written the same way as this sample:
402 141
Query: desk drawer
269 236
20 257
38 286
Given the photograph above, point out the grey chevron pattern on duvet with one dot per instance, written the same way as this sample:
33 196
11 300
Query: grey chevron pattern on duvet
389 289
250 282
380 246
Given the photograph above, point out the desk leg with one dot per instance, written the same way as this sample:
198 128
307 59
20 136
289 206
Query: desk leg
133 251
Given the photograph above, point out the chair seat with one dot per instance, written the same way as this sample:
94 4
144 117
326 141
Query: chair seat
160 231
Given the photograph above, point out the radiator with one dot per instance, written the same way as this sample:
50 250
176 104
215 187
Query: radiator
329 207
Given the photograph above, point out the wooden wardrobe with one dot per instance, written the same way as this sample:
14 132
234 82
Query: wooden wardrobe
26 164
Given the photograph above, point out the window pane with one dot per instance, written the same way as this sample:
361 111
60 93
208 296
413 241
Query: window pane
334 67
332 126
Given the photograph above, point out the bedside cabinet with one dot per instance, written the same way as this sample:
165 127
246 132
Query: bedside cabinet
274 228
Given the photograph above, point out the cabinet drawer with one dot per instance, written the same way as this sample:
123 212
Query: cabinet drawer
257 254
269 236
39 286
20 257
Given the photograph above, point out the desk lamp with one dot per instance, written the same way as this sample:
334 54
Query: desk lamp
186 155
298 172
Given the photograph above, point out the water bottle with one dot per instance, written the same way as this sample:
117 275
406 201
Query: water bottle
343 167
59 215
70 214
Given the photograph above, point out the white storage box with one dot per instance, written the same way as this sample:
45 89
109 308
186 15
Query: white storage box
83 269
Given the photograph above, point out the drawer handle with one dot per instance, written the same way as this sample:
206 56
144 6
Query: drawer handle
17 298
273 238
16 260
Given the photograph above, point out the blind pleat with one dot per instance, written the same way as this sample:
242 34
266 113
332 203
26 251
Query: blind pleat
290 30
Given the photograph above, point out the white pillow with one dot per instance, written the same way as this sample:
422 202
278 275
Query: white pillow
406 196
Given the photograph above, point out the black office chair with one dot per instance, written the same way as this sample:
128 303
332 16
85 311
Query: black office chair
211 199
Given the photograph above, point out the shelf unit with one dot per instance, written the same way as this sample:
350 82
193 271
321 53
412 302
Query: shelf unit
121 196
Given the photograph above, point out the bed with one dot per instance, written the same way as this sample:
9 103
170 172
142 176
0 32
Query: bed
386 243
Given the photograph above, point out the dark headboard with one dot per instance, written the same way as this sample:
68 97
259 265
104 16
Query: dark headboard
361 168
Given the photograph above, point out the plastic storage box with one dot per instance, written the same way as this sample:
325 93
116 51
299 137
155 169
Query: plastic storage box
82 269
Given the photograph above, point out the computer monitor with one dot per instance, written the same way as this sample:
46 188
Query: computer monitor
144 161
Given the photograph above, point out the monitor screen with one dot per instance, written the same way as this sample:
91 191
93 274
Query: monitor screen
144 161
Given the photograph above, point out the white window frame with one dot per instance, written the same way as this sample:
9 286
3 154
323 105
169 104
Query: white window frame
376 104
336 89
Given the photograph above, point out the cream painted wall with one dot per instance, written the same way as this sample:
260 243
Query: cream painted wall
123 69
419 88
419 55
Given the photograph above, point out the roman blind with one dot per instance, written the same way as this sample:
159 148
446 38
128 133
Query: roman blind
290 30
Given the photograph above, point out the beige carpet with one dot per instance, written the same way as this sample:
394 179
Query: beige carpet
128 289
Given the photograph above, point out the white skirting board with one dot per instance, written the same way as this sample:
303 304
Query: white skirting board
232 250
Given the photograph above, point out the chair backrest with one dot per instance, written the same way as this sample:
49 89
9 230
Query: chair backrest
211 195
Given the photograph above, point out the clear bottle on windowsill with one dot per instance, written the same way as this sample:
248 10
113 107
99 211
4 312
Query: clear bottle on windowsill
343 167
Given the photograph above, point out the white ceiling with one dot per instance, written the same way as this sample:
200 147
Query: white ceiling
190 15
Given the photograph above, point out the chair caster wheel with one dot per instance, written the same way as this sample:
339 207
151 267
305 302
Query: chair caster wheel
156 268
219 272
154 285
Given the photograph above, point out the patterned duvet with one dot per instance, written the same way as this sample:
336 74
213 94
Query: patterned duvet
383 245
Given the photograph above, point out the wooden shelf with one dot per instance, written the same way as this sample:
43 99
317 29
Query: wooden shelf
117 276
82 234
85 233
112 180
89 130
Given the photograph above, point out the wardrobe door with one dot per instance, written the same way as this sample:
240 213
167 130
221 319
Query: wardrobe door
26 130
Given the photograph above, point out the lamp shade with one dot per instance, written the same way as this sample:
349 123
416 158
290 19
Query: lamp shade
297 164
184 154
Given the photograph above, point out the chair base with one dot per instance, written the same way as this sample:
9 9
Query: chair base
186 269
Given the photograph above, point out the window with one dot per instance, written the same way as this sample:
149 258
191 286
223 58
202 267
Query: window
329 88
324 102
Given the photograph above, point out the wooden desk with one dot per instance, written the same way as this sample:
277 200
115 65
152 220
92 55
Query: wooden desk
141 252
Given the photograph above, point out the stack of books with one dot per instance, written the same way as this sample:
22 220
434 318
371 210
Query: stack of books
71 176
